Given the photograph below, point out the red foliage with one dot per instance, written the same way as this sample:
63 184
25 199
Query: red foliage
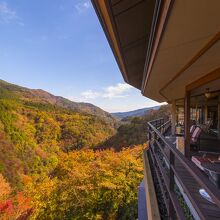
18 207
6 207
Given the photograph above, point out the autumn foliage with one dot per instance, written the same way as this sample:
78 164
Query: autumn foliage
89 185
13 206
50 165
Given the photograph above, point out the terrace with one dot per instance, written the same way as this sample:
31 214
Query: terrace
187 173
170 49
178 178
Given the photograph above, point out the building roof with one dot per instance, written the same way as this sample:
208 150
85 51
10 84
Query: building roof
162 46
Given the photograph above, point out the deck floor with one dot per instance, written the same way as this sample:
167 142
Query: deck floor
209 210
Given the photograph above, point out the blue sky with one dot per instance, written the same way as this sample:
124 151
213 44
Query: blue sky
59 46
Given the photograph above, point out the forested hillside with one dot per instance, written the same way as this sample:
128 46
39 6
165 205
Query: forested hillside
52 159
43 97
133 131
33 131
85 184
48 169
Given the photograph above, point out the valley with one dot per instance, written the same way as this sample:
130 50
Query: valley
65 160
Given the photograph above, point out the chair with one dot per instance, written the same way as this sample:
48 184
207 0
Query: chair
206 127
192 129
195 137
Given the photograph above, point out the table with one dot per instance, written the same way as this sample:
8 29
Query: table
200 161
213 169
214 132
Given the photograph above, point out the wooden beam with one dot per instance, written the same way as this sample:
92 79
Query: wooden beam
192 60
173 118
166 7
196 110
215 74
206 112
219 116
187 124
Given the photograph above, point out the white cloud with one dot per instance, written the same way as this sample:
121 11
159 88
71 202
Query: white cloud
90 94
83 6
115 98
7 14
117 91
74 98
111 92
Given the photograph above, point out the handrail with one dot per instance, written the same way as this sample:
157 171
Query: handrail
207 185
179 213
155 120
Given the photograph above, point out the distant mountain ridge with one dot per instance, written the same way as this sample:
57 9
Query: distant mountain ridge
39 95
138 112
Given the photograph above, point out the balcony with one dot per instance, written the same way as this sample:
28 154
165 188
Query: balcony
177 183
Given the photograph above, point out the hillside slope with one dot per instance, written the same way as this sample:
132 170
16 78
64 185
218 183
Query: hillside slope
41 96
49 168
35 126
133 130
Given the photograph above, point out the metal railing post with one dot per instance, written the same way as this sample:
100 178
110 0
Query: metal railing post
171 184
149 135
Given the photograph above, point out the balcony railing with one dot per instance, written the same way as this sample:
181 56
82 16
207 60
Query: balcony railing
179 179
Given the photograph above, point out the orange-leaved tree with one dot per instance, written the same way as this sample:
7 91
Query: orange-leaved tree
13 206
90 185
